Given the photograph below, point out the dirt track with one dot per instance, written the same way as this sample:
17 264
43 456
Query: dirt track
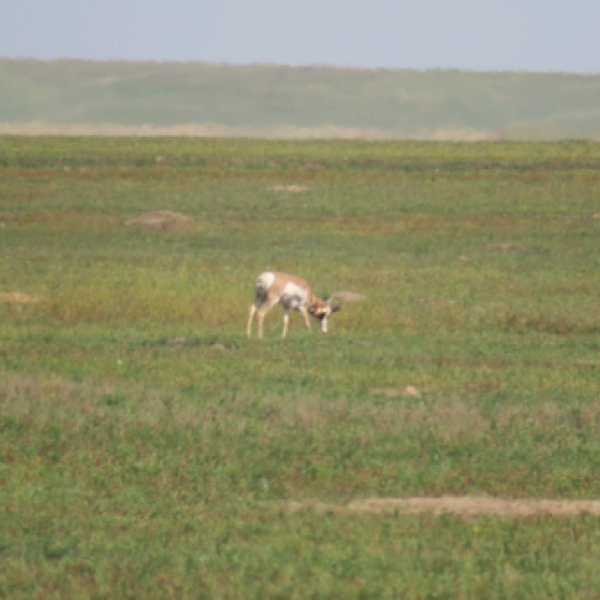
465 506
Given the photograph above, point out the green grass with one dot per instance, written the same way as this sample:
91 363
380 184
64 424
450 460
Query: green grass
148 449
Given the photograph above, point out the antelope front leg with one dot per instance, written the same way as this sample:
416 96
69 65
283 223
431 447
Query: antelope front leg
286 319
303 310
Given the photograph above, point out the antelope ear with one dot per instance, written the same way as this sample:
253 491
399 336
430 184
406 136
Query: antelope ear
336 308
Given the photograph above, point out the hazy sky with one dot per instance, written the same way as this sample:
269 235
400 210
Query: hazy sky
536 35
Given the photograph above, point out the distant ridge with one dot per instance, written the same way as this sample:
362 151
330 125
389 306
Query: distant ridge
82 97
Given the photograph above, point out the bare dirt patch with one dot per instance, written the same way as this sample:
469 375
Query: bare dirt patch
409 390
164 220
464 506
289 188
19 298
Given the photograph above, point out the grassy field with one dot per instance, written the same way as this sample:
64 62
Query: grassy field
149 450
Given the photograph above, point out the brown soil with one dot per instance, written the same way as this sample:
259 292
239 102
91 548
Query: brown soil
466 506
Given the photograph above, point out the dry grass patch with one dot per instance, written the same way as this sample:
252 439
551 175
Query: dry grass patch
502 246
71 405
289 132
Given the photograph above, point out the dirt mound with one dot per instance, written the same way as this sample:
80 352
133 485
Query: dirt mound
465 506
164 220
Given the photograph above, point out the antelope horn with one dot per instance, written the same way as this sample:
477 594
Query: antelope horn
345 297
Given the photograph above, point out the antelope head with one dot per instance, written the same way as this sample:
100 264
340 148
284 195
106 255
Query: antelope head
322 311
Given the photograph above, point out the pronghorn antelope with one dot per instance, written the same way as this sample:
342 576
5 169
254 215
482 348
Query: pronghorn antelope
291 292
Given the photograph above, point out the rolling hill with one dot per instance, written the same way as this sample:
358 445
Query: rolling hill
269 100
